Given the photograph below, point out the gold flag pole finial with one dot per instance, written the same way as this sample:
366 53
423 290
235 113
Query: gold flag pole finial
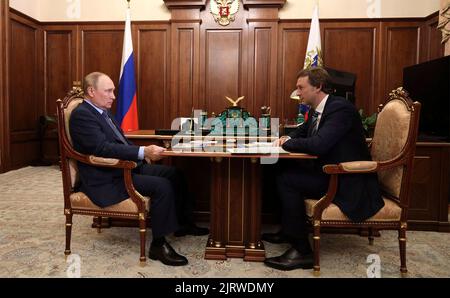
128 3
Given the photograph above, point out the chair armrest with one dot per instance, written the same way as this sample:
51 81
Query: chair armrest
352 167
101 161
111 162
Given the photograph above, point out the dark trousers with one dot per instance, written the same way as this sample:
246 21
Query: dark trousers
171 204
295 182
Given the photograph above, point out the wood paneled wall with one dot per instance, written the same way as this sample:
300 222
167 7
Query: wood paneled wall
4 131
192 62
26 100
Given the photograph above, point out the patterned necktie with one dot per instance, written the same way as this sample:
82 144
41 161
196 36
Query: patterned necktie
314 126
114 128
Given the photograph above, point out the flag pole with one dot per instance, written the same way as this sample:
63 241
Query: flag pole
126 113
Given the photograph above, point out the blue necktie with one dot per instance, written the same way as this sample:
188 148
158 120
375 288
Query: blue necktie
314 126
114 128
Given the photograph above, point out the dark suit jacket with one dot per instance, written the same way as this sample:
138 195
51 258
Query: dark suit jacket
340 138
92 135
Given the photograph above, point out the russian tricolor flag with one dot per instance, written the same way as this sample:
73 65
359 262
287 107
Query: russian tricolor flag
127 114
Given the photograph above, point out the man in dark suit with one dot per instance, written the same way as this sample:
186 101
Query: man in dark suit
335 134
95 132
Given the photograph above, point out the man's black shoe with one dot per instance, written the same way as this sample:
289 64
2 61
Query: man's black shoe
167 255
191 230
277 237
290 260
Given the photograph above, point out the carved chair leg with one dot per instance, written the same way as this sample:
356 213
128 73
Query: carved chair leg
142 233
99 224
68 233
316 240
371 238
402 244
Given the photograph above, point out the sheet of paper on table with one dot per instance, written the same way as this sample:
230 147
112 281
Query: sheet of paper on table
258 150
192 145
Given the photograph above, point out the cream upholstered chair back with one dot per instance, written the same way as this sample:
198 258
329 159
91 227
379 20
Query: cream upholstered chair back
392 129
70 106
67 113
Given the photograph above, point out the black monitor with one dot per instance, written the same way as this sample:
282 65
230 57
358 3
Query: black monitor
429 84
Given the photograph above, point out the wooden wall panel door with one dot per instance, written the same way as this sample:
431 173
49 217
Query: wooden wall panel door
434 47
101 50
4 87
401 50
353 48
292 42
153 65
224 69
25 86
59 63
262 62
224 54
185 68
60 58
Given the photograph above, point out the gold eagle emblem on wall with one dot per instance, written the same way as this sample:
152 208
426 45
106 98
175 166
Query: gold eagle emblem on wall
224 11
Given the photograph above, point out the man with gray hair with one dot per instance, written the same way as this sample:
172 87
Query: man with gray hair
94 131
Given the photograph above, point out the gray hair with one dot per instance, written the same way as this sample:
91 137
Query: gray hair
91 80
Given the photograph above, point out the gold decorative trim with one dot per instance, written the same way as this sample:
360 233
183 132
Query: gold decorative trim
141 216
402 239
218 159
317 223
104 213
390 224
316 238
67 211
210 242
68 225
398 93
403 225
316 271
76 92
234 246
142 230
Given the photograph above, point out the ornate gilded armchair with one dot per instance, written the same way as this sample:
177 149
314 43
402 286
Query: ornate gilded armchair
392 149
136 207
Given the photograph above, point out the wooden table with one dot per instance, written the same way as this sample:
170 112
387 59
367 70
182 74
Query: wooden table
235 203
235 187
